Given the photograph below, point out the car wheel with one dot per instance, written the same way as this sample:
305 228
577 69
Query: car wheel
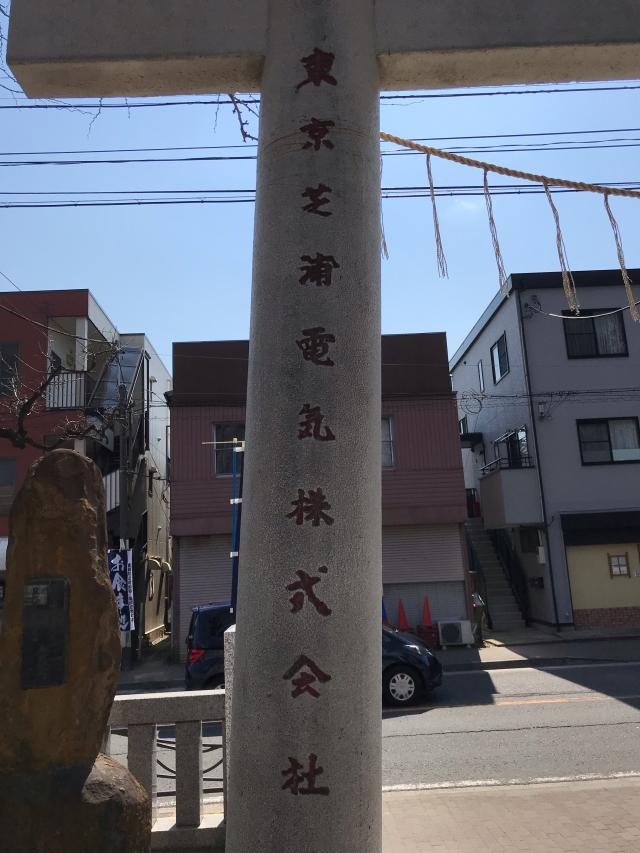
400 685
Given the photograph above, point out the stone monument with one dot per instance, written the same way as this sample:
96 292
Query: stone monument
59 662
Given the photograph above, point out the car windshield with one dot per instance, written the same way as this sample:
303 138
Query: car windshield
210 627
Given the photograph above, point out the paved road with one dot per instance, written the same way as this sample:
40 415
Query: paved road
499 726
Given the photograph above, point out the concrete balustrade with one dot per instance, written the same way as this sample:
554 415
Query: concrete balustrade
140 715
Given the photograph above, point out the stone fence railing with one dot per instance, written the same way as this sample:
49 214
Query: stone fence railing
140 715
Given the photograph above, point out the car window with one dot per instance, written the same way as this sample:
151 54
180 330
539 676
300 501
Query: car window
210 628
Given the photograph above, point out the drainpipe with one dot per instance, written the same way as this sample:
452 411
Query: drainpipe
545 520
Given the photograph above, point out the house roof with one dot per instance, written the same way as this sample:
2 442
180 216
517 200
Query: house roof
537 281
215 372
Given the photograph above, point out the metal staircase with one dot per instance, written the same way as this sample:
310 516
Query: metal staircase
501 602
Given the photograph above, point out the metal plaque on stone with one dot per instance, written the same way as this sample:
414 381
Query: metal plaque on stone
45 632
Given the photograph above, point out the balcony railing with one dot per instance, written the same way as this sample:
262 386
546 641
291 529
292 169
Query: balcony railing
181 716
67 390
504 464
111 490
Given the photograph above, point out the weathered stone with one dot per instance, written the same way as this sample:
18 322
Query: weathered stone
57 531
101 809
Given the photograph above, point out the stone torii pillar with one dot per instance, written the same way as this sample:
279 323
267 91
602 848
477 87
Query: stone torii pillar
305 766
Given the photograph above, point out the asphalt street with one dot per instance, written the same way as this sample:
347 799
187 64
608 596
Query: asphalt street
487 727
518 725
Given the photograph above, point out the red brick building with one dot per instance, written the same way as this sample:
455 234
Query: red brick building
67 333
423 495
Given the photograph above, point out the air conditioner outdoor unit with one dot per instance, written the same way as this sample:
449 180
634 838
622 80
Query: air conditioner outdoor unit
455 633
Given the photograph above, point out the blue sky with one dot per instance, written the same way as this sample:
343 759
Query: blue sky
183 272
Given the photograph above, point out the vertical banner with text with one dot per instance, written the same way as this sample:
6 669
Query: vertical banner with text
121 572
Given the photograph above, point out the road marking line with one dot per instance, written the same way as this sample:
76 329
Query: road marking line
560 700
494 783
551 668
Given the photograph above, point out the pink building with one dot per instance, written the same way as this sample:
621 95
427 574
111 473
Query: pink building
423 494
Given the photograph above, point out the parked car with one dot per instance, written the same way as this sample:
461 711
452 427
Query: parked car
205 646
409 668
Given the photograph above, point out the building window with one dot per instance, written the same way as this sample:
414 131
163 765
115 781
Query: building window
604 442
499 359
619 565
595 337
387 444
512 449
480 376
7 484
463 425
224 435
8 367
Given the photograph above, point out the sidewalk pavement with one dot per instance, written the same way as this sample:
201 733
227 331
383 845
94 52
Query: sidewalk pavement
565 817
529 647
532 647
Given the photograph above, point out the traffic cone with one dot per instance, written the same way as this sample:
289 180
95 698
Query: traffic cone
403 625
385 619
426 612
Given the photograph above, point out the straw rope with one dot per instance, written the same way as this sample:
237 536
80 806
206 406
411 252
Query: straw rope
442 261
581 186
568 282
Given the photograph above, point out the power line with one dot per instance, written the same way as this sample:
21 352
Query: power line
559 145
246 146
101 105
388 193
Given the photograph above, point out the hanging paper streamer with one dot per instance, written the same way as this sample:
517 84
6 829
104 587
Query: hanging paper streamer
442 261
568 283
633 308
383 240
502 273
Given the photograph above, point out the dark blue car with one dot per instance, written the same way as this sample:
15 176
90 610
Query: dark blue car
409 668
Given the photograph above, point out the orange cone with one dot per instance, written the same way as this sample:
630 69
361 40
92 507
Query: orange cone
426 612
403 625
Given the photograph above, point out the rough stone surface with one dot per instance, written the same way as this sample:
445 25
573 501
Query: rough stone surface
57 530
77 810
273 807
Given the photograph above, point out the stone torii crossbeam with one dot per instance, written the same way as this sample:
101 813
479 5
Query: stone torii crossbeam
305 755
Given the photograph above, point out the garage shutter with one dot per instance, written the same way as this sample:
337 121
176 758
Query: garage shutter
205 576
420 553
446 600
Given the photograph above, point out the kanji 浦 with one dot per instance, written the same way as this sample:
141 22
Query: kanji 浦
318 270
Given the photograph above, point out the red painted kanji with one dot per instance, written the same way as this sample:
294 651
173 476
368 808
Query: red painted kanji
311 425
318 270
311 508
318 66
317 200
303 674
315 346
317 130
302 590
298 782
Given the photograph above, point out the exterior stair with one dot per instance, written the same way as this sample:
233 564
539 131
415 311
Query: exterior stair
503 608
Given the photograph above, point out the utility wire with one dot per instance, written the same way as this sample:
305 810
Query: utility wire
246 146
102 105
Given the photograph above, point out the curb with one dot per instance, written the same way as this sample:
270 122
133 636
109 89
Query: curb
149 686
526 663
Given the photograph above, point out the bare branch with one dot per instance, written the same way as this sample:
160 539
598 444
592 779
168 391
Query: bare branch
238 106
